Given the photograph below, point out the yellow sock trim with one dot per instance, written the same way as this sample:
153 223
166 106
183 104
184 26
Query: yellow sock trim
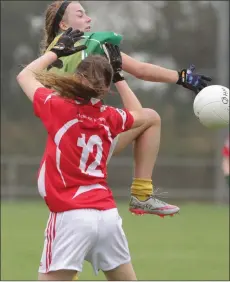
142 188
75 277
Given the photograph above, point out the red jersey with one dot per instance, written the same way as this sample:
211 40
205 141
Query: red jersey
73 171
225 150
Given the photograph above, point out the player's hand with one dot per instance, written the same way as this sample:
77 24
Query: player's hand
65 44
113 54
193 81
57 64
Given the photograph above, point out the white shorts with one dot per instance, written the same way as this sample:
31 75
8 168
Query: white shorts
85 234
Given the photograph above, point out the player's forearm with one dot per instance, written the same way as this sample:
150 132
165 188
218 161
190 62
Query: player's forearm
129 99
27 77
156 73
148 72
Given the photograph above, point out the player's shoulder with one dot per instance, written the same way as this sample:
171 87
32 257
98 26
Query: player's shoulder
47 92
104 109
46 96
115 110
112 112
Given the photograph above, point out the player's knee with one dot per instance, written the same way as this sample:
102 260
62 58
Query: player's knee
152 117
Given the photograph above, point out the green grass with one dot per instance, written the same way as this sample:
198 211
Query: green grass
191 246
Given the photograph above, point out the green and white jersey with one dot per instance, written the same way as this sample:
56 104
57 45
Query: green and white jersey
93 41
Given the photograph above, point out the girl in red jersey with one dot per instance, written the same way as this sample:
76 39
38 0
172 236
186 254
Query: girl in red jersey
146 139
84 223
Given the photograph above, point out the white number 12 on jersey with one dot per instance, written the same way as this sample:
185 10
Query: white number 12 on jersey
94 140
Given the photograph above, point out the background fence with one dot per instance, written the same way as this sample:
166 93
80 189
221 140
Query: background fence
195 178
172 34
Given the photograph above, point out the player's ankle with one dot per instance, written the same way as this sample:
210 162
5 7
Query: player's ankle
141 197
141 188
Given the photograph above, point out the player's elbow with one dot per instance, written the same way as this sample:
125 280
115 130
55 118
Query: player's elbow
23 78
20 77
147 117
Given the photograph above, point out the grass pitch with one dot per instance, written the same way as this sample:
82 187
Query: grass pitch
191 246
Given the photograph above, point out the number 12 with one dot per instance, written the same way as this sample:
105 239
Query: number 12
88 148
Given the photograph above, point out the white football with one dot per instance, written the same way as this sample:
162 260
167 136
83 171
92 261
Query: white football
211 106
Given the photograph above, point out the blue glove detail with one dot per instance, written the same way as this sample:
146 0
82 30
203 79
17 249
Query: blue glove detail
192 81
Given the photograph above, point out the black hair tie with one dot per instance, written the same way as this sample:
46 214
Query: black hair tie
59 15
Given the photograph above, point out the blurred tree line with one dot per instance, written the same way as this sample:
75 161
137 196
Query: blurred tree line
172 34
